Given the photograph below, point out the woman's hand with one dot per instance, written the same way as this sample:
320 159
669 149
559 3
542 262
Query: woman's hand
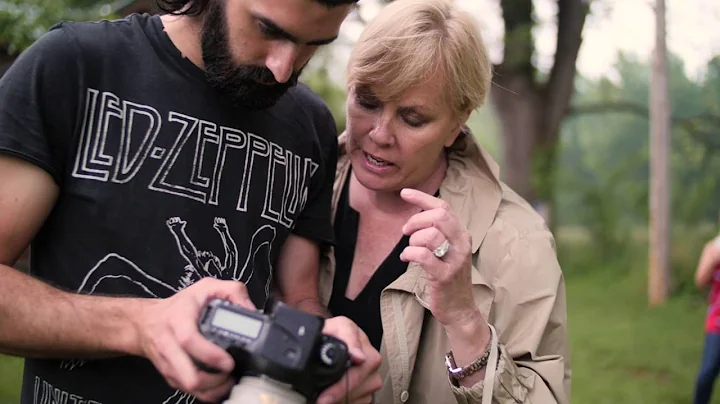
449 277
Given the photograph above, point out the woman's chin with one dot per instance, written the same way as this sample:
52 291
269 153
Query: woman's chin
375 182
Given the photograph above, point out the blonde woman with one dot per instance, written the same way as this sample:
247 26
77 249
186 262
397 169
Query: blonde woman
451 274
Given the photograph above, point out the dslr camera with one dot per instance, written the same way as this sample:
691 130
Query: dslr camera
281 355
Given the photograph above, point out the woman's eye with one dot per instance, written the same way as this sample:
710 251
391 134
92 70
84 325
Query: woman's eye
414 121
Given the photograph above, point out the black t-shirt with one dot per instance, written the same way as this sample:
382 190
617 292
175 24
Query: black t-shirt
364 310
161 183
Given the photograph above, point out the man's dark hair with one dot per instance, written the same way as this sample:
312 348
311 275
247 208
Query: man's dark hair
198 7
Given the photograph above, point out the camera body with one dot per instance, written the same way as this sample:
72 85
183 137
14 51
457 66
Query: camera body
282 344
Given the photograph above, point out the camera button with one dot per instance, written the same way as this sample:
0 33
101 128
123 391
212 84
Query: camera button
291 354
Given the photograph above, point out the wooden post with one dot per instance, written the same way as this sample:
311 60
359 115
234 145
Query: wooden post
659 265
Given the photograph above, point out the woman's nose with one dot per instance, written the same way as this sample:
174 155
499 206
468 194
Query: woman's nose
382 133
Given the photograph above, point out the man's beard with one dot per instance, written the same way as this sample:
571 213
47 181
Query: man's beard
240 85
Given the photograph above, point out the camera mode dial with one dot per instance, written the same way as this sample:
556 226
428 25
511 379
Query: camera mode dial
328 354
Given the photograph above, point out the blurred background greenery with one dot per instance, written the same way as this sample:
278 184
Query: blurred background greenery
597 183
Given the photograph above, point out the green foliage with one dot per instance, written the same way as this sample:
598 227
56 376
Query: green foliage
604 156
486 128
23 21
333 94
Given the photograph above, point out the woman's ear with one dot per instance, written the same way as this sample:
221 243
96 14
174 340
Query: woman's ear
457 130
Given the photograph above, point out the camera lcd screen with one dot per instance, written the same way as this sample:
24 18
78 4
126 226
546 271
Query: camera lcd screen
237 323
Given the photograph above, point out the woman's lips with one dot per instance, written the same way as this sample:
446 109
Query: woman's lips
376 164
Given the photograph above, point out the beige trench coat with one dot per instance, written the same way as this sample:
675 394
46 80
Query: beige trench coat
517 283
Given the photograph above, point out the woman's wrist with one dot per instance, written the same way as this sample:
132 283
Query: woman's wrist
468 338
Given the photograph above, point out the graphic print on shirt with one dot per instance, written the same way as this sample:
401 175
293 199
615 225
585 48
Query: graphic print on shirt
123 142
282 174
46 393
114 269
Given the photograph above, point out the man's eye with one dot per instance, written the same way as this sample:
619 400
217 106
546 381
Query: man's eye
368 102
269 31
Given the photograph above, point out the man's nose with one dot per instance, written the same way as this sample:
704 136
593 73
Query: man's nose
281 61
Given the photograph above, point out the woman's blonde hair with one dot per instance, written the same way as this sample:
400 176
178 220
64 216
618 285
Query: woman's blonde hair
412 41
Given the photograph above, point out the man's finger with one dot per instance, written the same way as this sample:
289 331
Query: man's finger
181 369
216 393
358 381
339 390
346 331
237 294
164 367
188 377
233 291
204 351
369 379
422 200
213 387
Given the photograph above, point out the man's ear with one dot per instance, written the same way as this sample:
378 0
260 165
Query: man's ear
460 124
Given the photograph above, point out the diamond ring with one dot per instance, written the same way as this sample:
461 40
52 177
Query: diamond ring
442 249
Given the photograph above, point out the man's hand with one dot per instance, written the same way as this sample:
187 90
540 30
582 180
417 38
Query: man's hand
363 378
169 337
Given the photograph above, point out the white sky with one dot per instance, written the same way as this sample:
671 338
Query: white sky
614 25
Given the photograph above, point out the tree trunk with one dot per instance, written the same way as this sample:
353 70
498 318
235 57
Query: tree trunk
531 112
659 265
518 107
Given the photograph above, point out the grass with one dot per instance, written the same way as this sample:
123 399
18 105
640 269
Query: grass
10 378
622 351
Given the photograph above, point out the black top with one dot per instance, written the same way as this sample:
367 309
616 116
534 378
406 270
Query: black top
161 183
365 309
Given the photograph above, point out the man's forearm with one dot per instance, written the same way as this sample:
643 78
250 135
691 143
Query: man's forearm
38 320
307 304
312 306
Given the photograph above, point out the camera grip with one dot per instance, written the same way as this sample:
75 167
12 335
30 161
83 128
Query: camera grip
331 363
